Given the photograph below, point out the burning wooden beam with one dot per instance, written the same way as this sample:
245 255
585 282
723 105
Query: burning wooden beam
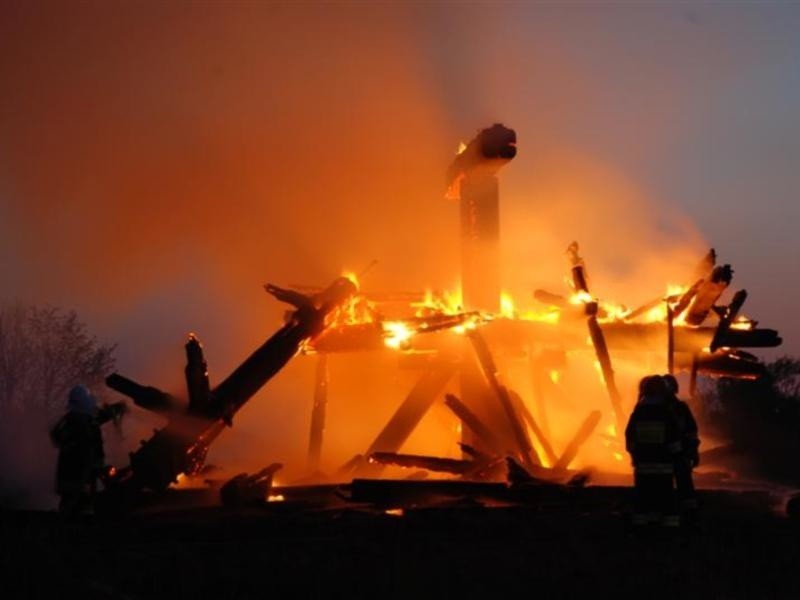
541 437
413 408
726 320
581 285
455 466
722 364
181 446
471 420
245 490
670 340
197 376
472 180
707 294
584 431
485 360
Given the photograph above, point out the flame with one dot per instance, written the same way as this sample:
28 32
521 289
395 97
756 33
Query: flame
461 147
580 297
394 512
275 498
614 312
551 316
743 323
351 275
555 376
446 302
676 290
397 334
507 305
469 325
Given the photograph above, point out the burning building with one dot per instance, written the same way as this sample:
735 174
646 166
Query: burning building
475 342
548 387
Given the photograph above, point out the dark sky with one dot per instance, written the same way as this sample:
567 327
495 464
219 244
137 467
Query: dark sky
160 161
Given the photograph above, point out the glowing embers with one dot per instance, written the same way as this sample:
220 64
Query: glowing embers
742 323
581 297
397 334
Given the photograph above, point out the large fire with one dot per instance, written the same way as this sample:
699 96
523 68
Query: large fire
548 378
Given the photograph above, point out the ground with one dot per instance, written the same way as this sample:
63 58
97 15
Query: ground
548 549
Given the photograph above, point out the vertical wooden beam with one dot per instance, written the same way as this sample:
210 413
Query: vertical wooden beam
604 358
318 412
693 380
670 339
581 284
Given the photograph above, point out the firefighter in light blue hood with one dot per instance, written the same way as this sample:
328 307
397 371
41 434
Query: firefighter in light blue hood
81 458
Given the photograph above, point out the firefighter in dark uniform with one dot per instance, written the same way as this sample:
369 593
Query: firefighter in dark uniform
652 438
81 458
690 456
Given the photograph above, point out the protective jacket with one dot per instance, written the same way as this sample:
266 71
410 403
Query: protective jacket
653 437
687 427
80 442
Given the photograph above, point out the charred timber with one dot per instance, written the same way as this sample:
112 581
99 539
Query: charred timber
392 493
538 432
580 283
453 466
181 446
707 294
146 397
318 413
619 335
197 376
485 154
487 364
740 365
474 423
726 320
410 412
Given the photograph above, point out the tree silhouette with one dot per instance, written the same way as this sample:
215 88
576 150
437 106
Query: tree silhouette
43 353
759 421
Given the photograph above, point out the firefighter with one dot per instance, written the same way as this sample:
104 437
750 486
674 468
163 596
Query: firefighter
652 438
689 458
81 457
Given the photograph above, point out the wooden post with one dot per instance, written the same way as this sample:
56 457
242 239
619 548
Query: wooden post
580 284
318 413
670 339
693 379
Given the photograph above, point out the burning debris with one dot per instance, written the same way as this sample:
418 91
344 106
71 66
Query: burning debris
465 333
468 338
180 447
